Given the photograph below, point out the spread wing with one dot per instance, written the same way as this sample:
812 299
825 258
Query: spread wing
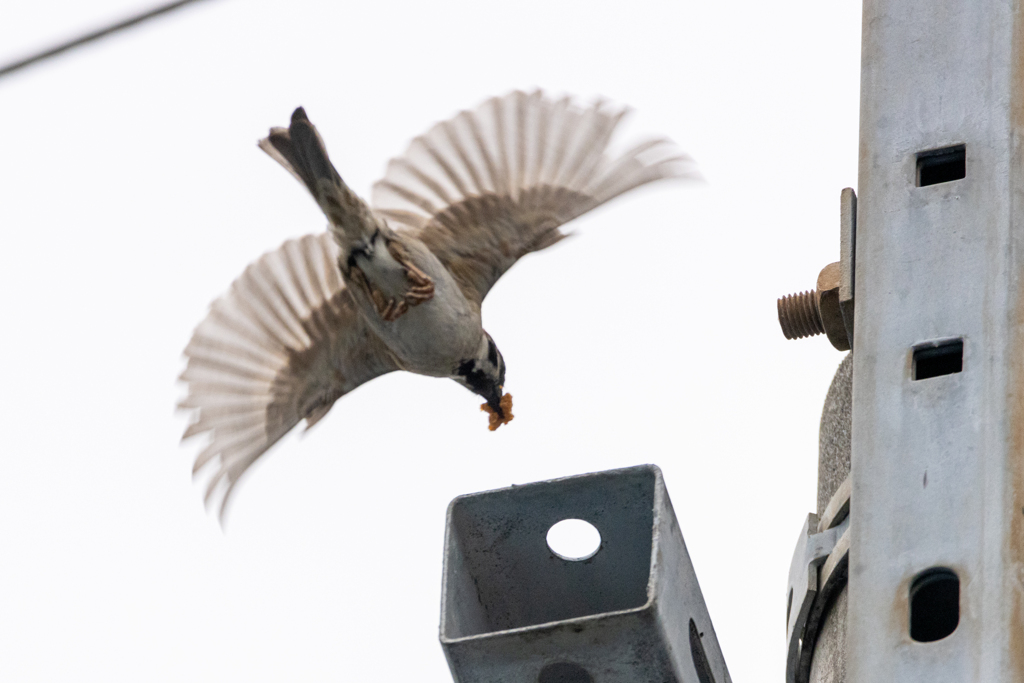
492 185
281 345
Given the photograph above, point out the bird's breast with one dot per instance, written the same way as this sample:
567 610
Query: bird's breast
429 338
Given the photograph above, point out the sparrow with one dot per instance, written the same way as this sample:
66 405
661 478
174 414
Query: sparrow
398 283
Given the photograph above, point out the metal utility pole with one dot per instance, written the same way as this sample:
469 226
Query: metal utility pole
932 266
936 585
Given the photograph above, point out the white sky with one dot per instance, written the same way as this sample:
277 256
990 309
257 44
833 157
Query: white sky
132 193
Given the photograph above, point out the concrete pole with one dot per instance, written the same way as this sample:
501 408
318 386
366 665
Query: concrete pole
828 662
936 583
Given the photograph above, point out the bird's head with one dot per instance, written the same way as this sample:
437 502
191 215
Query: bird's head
484 374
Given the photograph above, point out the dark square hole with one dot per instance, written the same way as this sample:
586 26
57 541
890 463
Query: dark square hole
941 165
940 359
934 605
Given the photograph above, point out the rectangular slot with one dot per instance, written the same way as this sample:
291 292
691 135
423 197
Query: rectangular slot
941 165
935 360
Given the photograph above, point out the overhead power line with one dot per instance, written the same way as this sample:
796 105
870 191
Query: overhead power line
95 35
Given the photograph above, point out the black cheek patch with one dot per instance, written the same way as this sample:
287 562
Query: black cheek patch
476 379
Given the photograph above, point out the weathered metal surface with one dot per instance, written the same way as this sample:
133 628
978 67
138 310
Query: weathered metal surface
937 473
799 316
829 308
847 242
847 257
832 578
837 509
816 574
829 662
514 612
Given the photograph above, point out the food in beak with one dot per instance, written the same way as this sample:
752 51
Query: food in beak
502 416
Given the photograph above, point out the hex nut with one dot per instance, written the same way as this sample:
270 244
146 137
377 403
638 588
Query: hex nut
829 308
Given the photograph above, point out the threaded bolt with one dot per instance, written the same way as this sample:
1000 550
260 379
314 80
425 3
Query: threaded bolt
799 315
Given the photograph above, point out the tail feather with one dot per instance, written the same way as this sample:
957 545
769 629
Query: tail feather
300 149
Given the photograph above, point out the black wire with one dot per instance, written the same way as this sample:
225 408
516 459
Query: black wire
95 35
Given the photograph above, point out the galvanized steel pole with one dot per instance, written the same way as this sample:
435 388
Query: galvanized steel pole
936 573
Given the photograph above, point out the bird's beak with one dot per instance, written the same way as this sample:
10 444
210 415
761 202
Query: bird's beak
494 402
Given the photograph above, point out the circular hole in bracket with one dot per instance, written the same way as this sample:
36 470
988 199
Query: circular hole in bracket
574 540
564 672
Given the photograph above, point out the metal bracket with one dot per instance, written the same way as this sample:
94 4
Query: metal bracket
847 257
515 612
818 570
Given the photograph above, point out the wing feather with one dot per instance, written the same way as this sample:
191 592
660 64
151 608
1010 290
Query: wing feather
282 345
451 136
489 186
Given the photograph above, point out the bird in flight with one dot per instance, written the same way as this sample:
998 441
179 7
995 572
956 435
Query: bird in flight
397 283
